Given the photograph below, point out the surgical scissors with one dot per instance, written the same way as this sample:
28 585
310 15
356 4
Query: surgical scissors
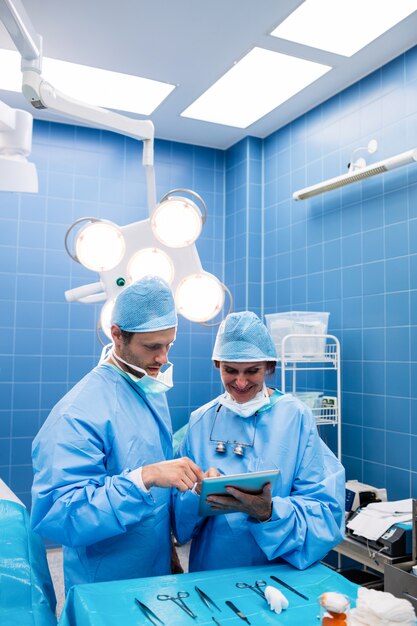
179 601
256 587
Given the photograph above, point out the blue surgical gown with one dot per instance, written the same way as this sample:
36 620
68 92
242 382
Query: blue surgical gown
81 496
307 501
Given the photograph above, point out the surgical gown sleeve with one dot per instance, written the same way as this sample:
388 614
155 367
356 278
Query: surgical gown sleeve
309 522
81 492
185 505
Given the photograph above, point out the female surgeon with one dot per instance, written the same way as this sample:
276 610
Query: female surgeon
249 428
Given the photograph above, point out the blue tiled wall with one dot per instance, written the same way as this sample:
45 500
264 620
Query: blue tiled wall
46 344
244 224
353 252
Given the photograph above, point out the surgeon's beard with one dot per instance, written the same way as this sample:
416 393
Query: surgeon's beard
128 355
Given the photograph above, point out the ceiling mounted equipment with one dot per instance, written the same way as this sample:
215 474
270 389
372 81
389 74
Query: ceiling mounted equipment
103 246
16 172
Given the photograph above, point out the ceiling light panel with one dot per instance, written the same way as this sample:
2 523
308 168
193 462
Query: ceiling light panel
342 27
112 90
256 85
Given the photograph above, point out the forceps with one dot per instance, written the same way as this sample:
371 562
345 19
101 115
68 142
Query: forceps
256 587
206 599
178 600
148 613
287 586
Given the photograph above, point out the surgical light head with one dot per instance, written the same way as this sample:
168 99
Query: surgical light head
145 306
243 338
16 173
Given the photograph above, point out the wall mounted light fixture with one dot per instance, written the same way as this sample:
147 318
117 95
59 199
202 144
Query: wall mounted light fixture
357 164
356 174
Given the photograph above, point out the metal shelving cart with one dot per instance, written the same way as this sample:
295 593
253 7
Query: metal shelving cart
292 363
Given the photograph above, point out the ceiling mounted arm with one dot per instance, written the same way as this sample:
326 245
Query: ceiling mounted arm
43 95
26 39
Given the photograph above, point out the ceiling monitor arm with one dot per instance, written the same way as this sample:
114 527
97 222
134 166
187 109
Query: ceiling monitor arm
42 95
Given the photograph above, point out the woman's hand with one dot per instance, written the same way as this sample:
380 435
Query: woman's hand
210 473
256 506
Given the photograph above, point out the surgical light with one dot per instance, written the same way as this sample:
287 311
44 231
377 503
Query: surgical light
177 221
200 297
150 261
16 172
99 245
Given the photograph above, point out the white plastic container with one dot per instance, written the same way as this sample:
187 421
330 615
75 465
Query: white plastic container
299 323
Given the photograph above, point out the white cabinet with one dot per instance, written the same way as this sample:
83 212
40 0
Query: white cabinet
300 375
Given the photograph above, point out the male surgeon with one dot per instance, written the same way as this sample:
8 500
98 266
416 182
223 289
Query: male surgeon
102 461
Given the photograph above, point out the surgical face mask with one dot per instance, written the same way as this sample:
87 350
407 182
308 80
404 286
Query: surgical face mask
148 384
246 409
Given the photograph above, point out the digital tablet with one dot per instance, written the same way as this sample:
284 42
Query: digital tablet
252 482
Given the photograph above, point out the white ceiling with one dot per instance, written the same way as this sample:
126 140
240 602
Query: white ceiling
191 43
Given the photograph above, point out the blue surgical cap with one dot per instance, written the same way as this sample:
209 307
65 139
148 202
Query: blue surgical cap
242 337
145 306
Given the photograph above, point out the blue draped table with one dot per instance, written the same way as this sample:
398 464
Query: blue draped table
27 596
113 603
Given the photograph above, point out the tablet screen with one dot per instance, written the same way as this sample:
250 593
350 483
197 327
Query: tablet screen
252 482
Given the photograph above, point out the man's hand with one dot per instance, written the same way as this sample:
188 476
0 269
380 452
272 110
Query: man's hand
180 473
257 506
